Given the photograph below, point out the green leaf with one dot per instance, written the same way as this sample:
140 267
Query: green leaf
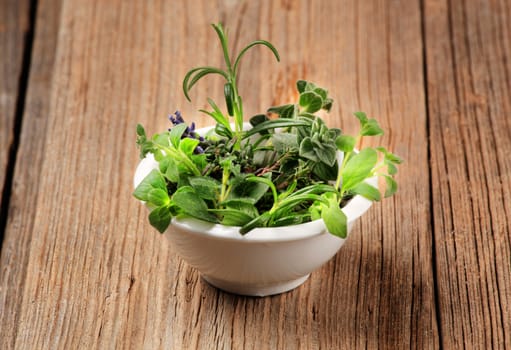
229 98
188 145
176 133
285 111
325 172
140 130
327 154
158 197
391 186
153 180
191 204
285 142
371 128
335 220
310 101
327 104
307 149
362 117
160 218
345 143
358 168
321 92
391 168
205 187
368 191
221 130
258 119
233 217
169 169
300 85
199 73
251 188
252 44
273 124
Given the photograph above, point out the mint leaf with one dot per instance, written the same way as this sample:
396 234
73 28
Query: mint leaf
160 218
188 145
153 180
205 187
191 204
158 197
175 134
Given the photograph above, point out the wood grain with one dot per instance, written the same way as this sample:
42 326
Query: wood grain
95 275
25 186
14 18
470 130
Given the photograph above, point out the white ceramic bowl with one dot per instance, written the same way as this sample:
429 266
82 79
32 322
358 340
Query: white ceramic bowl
263 262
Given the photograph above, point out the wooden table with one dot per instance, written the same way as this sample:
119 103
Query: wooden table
80 265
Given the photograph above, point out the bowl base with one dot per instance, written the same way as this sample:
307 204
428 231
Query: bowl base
256 290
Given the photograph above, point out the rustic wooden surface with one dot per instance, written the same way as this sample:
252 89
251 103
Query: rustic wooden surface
430 268
14 26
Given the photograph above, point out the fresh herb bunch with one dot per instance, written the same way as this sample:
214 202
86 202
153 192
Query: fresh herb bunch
282 171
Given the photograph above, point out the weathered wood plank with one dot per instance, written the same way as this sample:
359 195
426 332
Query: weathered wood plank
14 23
25 187
469 70
98 276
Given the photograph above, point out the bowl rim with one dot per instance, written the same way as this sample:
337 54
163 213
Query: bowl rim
355 208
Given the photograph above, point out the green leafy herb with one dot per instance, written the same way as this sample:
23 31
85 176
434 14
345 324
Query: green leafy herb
289 168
